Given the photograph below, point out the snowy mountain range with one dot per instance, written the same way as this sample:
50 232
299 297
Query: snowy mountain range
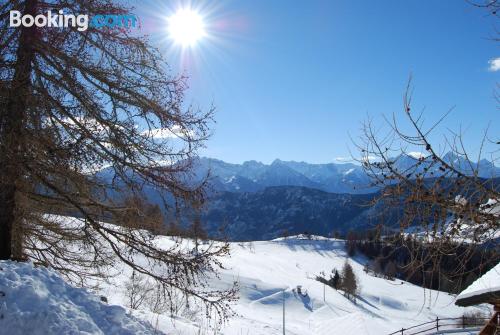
254 201
252 176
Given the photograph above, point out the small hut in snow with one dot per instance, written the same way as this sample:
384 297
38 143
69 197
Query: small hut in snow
485 290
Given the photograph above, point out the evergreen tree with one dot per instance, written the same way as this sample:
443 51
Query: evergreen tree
335 281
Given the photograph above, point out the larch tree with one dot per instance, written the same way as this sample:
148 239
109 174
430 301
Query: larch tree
73 102
446 200
349 283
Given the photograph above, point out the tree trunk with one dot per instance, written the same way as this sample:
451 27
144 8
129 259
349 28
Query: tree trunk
12 148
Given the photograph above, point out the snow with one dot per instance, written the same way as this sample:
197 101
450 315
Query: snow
36 301
264 269
230 179
349 171
489 282
267 272
464 230
416 154
492 206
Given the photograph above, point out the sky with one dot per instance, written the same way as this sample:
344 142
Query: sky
294 80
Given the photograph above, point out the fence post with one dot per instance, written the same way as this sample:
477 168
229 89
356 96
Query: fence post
437 323
402 331
463 321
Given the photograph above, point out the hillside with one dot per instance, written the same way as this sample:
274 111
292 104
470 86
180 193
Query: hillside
255 201
265 268
290 210
37 301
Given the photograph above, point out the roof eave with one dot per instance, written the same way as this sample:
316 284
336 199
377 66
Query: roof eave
484 298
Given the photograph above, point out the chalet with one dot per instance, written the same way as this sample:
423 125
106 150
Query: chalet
485 290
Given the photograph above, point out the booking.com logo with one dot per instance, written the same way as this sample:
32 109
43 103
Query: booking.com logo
81 22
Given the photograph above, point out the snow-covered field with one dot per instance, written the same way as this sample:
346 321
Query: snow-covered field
264 270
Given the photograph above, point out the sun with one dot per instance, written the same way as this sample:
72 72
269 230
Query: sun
186 27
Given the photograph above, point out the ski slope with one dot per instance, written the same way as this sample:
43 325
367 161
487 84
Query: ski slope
266 269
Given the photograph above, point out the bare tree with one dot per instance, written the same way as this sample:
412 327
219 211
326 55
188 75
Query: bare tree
390 270
444 201
72 103
138 290
349 283
441 197
492 6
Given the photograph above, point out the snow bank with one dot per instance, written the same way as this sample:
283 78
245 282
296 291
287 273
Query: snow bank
36 300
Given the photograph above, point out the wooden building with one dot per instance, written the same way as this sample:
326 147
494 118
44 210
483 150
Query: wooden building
485 290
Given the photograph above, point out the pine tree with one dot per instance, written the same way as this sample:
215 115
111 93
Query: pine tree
335 281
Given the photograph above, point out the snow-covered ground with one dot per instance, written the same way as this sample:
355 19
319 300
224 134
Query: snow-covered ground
36 301
264 271
265 268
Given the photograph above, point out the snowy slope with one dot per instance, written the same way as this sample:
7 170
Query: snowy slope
264 269
35 300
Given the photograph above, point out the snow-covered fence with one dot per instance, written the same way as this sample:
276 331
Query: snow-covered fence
442 326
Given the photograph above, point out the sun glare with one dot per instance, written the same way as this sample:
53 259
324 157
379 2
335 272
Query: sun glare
186 27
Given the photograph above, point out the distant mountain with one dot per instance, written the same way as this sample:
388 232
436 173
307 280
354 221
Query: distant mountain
350 178
335 178
270 213
485 168
279 173
254 176
260 201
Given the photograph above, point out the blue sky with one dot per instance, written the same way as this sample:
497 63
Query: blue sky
293 80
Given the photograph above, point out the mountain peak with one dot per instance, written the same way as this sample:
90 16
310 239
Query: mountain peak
277 161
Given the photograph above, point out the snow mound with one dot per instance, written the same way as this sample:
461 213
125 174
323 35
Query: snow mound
36 300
